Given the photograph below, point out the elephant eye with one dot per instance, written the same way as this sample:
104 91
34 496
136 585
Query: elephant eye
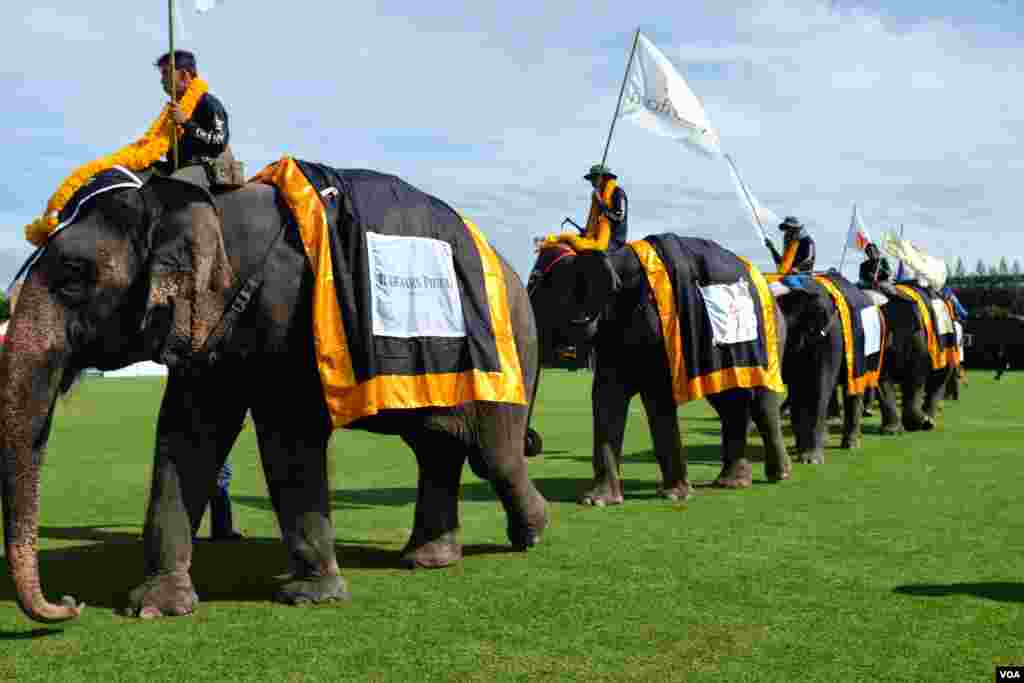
75 279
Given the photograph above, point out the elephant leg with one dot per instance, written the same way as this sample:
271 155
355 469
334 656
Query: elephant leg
810 419
766 414
610 405
733 408
662 419
853 415
891 423
914 417
934 392
500 430
200 418
434 542
293 437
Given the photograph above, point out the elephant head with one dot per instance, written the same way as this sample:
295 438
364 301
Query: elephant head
809 312
568 292
141 273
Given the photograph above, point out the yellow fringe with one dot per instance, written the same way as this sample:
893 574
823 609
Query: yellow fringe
137 156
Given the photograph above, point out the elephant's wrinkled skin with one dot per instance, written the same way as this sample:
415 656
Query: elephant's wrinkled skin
146 273
630 360
814 365
908 363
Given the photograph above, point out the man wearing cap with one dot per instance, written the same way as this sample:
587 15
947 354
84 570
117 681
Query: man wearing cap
798 254
875 269
606 225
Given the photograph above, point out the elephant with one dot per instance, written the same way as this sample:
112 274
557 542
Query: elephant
605 300
149 272
815 367
909 364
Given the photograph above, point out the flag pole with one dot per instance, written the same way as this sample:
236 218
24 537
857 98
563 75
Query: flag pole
622 89
750 201
846 243
174 86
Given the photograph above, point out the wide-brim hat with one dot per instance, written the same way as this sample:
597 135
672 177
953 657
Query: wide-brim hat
790 223
599 170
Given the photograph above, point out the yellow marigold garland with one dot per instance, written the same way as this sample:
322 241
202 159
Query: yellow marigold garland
137 156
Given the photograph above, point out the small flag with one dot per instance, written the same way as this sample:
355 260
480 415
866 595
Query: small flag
204 6
858 236
658 99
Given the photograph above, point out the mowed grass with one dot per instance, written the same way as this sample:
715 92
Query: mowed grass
902 561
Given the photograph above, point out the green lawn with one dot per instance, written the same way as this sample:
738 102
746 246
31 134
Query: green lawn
902 561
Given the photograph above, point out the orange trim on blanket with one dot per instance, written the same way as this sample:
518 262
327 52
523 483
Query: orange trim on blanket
854 385
939 358
348 400
685 388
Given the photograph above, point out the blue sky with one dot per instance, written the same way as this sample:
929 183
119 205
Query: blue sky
913 110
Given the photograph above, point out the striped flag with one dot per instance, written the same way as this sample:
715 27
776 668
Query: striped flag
858 235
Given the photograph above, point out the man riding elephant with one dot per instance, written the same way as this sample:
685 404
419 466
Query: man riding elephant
607 223
798 248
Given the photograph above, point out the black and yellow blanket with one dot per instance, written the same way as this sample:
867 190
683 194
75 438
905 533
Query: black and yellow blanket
684 275
859 318
410 308
937 318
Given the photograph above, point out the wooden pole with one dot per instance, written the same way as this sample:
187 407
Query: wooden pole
622 89
174 85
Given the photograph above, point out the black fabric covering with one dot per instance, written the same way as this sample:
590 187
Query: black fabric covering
856 300
102 181
385 204
693 263
945 341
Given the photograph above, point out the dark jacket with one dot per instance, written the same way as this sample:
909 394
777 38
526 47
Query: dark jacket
617 215
803 261
206 133
873 271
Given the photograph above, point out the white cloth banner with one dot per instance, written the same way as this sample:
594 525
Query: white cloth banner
927 267
658 99
413 287
760 216
731 311
872 323
943 321
959 339
203 6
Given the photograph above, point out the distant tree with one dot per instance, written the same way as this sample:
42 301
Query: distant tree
5 308
1016 267
959 271
993 270
980 269
1003 268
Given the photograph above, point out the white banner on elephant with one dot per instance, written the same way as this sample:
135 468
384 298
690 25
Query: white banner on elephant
657 98
872 324
731 312
413 288
943 321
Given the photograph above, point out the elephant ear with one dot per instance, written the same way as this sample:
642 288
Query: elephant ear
190 275
595 284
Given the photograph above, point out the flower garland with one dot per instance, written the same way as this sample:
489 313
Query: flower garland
137 156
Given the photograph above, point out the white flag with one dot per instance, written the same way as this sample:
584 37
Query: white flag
760 216
203 6
858 236
657 98
927 267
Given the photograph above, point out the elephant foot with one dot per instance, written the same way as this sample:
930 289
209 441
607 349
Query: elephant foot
777 473
924 424
812 457
526 533
738 475
603 493
851 443
677 492
313 590
892 429
164 595
440 552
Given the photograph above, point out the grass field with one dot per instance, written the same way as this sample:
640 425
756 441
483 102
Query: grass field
902 561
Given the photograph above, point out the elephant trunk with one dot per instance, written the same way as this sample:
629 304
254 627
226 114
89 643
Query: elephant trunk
31 367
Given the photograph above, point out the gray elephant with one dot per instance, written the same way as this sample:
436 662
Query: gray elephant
609 301
822 342
921 354
220 290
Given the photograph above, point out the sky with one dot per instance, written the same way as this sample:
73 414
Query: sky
912 110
